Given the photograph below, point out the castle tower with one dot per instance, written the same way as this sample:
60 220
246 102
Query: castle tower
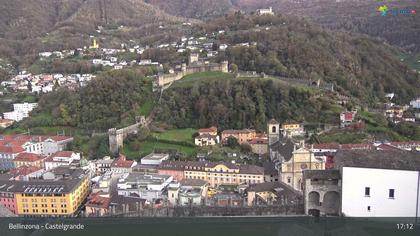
193 58
225 66
273 131
113 143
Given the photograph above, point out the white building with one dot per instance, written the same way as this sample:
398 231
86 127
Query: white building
415 103
12 145
154 159
61 158
268 11
369 192
150 187
20 111
379 183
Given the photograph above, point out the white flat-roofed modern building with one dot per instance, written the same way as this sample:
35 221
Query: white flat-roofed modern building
154 159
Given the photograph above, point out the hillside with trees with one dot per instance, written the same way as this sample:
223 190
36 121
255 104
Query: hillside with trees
29 27
291 47
241 103
202 9
113 99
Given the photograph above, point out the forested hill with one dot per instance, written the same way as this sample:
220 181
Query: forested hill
242 103
287 46
353 16
199 9
30 26
113 99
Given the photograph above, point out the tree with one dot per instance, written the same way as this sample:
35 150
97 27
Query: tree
234 68
246 148
232 142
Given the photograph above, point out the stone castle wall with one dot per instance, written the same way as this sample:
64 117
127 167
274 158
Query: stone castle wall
169 78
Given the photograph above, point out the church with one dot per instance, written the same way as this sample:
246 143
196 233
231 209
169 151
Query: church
291 159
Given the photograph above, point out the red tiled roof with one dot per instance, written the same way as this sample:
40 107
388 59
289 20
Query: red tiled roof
242 131
208 130
324 146
24 156
62 154
11 147
24 170
95 200
366 146
121 162
259 141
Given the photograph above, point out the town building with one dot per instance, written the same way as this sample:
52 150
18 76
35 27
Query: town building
121 165
62 158
150 187
12 145
7 195
291 129
215 174
322 190
188 192
29 159
268 11
272 193
259 145
291 171
347 118
103 165
271 173
154 159
59 192
25 173
242 136
173 168
379 183
20 111
97 205
207 137
415 103
365 183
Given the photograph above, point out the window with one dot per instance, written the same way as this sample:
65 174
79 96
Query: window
368 208
367 192
391 193
288 180
273 129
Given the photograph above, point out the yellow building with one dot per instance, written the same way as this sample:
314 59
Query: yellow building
54 195
292 129
291 171
224 173
28 159
95 45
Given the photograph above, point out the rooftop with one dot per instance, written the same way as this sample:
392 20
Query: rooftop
398 160
321 174
29 157
156 156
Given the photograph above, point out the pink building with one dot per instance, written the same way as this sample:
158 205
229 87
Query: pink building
7 196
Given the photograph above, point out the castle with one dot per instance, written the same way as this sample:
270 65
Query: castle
194 66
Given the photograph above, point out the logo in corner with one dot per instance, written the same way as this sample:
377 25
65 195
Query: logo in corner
383 10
